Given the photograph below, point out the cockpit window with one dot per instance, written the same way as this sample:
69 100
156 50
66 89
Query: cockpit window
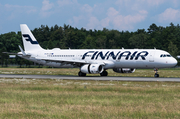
165 55
168 55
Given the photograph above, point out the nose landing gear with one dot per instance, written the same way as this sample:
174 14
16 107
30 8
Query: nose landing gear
156 75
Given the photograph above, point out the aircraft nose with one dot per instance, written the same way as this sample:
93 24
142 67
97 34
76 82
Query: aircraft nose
173 62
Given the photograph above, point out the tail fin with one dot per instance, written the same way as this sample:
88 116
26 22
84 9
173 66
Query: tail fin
29 41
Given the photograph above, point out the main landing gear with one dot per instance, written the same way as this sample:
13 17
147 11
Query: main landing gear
104 73
156 75
81 74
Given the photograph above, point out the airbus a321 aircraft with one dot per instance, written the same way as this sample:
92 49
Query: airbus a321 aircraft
94 61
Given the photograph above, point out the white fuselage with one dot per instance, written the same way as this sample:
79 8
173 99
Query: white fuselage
93 61
111 58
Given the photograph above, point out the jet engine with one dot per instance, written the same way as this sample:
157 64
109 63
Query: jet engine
123 70
92 68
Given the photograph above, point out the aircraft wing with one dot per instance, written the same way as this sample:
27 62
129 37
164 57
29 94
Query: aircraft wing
74 62
66 61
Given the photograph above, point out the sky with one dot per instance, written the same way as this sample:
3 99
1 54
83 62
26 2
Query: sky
126 15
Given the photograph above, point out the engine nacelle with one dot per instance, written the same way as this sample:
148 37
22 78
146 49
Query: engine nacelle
123 70
92 68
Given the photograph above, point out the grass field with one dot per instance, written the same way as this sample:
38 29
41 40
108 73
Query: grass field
55 98
173 72
37 98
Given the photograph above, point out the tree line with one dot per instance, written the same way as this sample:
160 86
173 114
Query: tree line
165 38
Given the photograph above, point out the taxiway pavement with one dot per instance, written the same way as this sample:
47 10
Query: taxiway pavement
99 78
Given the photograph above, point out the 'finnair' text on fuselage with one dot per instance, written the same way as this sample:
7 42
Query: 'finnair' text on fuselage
127 54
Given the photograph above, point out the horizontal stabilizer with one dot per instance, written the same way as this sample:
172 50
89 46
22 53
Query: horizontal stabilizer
22 51
10 53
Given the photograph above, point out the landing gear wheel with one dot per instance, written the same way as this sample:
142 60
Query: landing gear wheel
81 74
104 73
156 75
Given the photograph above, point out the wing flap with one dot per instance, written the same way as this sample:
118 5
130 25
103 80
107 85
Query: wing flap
74 62
66 61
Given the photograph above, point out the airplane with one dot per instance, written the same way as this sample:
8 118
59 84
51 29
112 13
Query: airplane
94 61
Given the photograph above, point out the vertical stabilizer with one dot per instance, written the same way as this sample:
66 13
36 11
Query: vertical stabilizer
29 41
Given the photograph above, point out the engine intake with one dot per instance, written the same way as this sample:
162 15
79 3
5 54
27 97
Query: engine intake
123 70
92 68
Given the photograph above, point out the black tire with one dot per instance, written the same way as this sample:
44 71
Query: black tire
104 73
81 73
156 75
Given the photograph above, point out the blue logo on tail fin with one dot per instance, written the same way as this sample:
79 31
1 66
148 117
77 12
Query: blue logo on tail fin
28 38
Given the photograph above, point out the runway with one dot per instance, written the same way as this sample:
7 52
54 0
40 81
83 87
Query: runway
98 78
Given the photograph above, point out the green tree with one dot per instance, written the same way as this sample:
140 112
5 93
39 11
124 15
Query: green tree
173 50
101 42
89 43
139 41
